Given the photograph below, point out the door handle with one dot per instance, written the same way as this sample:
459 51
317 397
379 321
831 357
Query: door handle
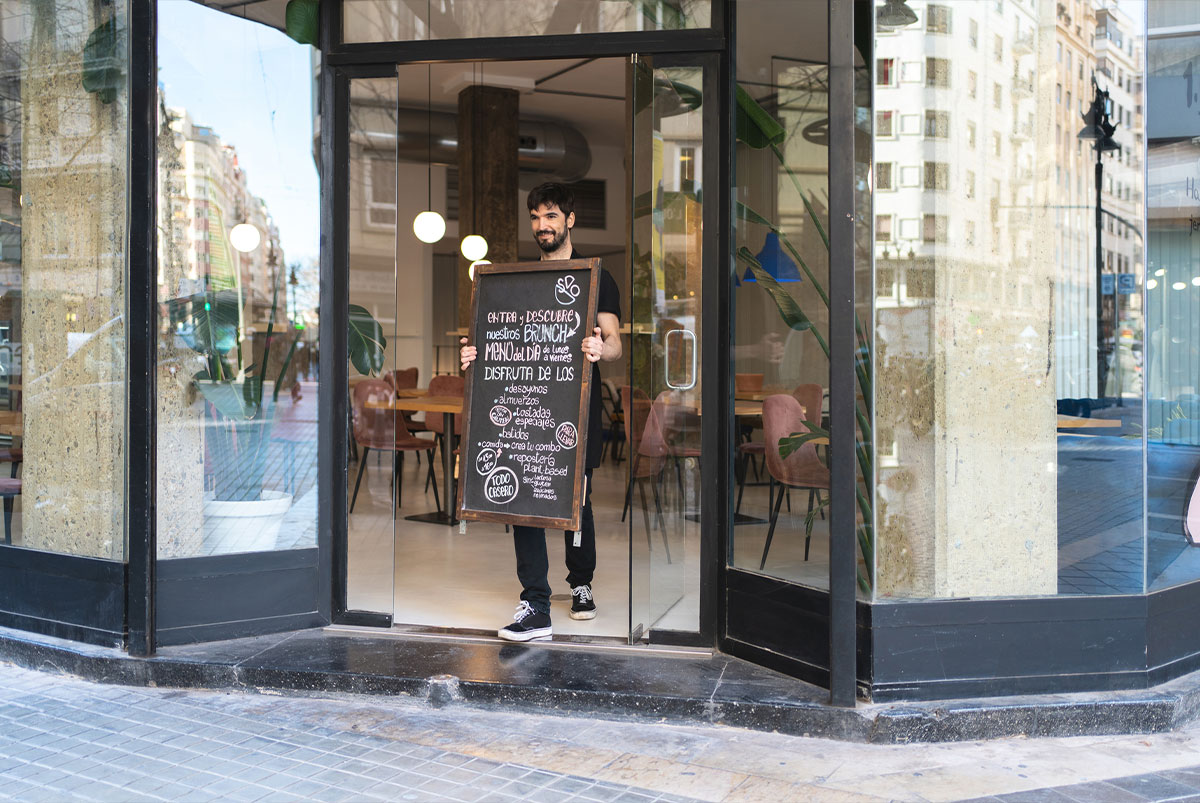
684 334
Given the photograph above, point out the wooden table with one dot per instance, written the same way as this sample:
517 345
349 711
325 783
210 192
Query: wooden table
1078 422
448 406
11 423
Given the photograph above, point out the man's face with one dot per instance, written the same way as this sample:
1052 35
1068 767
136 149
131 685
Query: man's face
550 226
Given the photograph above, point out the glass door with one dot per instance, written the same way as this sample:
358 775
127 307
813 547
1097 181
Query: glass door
663 399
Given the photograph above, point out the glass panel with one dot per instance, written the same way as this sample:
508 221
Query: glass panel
1173 296
781 312
238 226
663 400
1008 276
388 21
63 162
375 468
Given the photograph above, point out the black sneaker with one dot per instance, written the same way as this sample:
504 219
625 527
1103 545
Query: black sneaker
582 604
528 625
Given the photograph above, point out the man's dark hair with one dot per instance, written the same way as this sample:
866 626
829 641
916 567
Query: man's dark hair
552 194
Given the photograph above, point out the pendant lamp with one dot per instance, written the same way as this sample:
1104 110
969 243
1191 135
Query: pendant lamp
429 226
474 247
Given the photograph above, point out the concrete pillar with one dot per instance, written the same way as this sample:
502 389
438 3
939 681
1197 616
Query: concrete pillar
73 156
487 178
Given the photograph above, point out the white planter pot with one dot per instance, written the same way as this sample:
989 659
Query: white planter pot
244 526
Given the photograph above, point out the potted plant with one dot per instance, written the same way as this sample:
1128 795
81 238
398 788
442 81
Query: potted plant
241 397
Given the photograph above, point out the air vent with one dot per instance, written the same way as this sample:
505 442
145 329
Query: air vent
591 200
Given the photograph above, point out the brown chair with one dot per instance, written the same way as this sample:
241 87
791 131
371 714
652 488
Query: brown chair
748 383
783 416
382 428
643 433
680 425
444 385
406 380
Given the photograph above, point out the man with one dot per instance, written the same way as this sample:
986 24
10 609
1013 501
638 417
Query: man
551 217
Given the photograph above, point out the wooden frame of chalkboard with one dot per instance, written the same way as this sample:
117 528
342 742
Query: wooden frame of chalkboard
549 291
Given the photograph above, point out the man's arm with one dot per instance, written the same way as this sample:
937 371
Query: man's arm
605 340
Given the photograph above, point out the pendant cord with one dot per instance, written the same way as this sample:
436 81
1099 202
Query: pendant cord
429 138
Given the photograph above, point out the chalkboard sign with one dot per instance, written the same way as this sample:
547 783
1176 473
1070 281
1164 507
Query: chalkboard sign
527 393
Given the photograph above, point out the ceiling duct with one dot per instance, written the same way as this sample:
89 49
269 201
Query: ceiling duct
544 146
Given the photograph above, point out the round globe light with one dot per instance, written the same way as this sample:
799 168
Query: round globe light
471 269
1151 284
474 247
429 227
245 237
1178 286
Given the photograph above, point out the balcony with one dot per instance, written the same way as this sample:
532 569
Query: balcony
1023 44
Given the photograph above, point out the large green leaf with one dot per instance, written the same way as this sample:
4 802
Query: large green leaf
755 126
367 342
238 401
789 310
300 21
210 321
102 62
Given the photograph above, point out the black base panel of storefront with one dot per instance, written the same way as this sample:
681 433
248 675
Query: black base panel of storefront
77 598
231 596
576 680
786 627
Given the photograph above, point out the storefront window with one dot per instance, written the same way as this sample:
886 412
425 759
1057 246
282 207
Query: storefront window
781 313
1009 302
63 162
237 258
1173 295
384 21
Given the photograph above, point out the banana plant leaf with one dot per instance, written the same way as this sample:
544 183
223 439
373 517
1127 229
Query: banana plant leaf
789 310
755 126
102 62
300 21
210 321
237 401
367 342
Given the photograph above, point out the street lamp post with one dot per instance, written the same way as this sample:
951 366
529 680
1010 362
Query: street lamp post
1097 127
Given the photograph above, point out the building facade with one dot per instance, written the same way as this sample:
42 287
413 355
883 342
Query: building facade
940 286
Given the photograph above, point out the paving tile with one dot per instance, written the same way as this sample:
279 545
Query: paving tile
1153 787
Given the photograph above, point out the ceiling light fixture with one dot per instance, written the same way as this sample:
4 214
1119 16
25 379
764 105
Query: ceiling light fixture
429 226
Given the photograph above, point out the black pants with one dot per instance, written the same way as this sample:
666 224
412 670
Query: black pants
533 565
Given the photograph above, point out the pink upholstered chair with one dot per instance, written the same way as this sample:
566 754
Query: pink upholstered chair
643 433
783 415
383 429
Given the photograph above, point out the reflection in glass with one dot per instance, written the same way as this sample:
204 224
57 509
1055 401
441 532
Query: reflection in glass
1008 273
237 362
385 21
63 161
1172 300
781 309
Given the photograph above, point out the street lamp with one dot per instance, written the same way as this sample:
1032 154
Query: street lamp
1099 129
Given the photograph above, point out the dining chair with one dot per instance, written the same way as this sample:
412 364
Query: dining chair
680 425
445 385
382 429
648 456
10 487
610 405
783 415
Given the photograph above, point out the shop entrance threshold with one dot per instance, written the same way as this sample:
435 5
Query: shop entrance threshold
664 684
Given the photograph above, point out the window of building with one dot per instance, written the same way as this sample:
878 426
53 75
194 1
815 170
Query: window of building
973 34
910 124
969 234
970 184
885 125
937 124
972 84
885 72
937 19
1058 93
997 96
910 176
995 144
884 176
971 134
380 190
1058 56
934 228
883 228
910 229
937 176
998 48
937 72
912 72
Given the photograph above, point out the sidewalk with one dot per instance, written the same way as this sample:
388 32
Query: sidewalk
66 739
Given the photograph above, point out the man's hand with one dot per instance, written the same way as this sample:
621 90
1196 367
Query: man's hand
466 354
593 347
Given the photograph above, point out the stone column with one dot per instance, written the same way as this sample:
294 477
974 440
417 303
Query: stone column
73 155
487 178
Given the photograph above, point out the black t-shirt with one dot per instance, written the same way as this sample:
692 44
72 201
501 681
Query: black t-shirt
608 299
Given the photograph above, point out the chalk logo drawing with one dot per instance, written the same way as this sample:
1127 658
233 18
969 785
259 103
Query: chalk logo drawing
500 415
500 486
567 435
485 461
566 290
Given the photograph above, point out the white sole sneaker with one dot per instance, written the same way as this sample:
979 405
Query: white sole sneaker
582 614
537 634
